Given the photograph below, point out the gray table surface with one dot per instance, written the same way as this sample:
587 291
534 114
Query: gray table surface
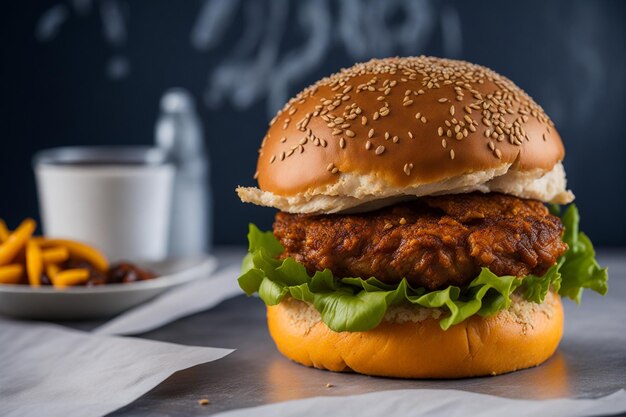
590 362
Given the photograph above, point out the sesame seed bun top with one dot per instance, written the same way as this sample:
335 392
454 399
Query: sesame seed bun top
397 127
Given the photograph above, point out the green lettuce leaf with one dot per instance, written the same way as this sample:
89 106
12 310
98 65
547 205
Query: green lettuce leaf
579 268
357 304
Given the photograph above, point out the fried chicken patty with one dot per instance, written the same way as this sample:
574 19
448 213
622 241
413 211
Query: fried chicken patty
433 242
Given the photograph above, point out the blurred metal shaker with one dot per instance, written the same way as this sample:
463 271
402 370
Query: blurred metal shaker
179 133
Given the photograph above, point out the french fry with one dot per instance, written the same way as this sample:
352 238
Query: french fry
40 240
70 277
11 274
80 250
16 241
34 264
55 255
52 270
4 231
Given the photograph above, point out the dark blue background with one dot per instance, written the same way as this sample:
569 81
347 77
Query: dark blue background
91 72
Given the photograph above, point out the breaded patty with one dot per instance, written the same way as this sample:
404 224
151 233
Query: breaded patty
433 241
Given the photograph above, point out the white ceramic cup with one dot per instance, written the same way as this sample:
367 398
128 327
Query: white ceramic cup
117 199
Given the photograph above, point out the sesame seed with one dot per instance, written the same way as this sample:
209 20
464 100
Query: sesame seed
303 141
418 115
452 154
204 401
350 133
334 170
330 167
444 143
336 132
498 154
368 145
451 110
386 135
380 150
395 139
459 77
272 159
407 169
459 136
342 143
402 220
491 146
370 133
282 156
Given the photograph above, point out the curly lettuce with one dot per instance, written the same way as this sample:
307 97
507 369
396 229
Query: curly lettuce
357 304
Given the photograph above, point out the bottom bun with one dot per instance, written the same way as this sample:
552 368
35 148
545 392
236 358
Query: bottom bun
410 344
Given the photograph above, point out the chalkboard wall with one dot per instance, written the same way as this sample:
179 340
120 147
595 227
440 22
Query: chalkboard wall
84 72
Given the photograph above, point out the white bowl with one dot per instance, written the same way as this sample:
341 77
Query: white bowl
86 303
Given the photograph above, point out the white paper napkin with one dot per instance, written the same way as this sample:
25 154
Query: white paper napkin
444 403
53 371
185 300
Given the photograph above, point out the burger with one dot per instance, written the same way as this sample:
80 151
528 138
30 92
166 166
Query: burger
420 231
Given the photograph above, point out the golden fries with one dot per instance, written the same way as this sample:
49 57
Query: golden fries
11 274
80 250
24 257
4 231
70 277
16 241
52 270
55 255
34 264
